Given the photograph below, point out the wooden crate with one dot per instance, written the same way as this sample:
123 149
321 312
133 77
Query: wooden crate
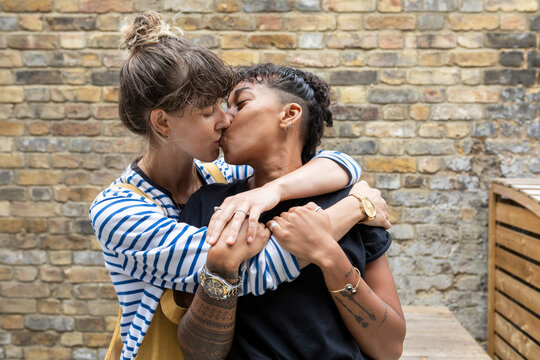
514 269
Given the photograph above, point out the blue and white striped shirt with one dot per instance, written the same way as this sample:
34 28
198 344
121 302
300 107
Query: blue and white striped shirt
147 252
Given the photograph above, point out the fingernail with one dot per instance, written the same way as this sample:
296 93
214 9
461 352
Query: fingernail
209 239
230 240
249 239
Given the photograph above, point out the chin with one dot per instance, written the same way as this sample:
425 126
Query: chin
208 157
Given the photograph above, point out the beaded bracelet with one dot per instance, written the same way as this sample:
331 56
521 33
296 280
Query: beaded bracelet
349 288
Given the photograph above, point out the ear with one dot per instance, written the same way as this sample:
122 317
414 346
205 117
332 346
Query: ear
291 115
159 120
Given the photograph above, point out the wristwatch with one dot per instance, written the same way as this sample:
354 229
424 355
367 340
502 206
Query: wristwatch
367 207
217 287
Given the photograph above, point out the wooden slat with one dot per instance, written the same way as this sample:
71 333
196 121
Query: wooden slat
491 271
435 333
516 338
518 242
517 266
526 186
533 204
504 351
517 217
518 291
523 319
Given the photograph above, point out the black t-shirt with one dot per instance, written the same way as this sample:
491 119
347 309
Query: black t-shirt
299 320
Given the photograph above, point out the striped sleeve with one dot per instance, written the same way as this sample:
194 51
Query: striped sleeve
272 266
138 241
346 161
233 172
239 172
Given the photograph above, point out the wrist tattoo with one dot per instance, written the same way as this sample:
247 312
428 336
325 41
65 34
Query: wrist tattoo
207 329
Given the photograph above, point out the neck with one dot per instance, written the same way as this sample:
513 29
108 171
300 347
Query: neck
172 170
276 163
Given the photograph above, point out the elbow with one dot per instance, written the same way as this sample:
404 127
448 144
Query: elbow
391 348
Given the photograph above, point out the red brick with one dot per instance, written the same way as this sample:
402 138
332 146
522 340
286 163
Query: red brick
29 42
268 22
76 128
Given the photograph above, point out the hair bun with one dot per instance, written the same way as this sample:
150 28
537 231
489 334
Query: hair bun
147 28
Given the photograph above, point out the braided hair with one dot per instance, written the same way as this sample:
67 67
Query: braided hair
293 85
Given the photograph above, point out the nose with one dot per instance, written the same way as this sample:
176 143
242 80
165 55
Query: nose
225 119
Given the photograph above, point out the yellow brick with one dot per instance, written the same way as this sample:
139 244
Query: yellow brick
6 77
349 22
87 275
473 94
76 93
10 59
514 5
473 22
353 94
274 58
31 22
457 130
513 22
420 112
11 160
72 40
12 322
72 339
232 41
431 130
475 58
389 5
228 6
39 177
391 40
433 59
27 5
97 339
46 353
11 128
380 164
35 209
11 94
429 165
110 94
349 5
38 161
236 58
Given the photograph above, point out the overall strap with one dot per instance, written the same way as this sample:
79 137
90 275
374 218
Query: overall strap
214 172
138 191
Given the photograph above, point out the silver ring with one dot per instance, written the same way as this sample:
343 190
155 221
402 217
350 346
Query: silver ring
272 225
240 210
216 208
317 208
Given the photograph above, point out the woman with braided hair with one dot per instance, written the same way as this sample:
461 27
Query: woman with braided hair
344 304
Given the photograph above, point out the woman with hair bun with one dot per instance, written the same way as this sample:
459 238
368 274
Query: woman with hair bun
170 94
344 304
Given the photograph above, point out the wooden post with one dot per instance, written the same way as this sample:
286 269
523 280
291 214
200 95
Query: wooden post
491 272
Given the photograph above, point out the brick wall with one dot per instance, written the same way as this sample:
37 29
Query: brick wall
433 98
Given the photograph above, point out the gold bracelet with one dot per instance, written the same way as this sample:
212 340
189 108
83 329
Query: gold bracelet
351 289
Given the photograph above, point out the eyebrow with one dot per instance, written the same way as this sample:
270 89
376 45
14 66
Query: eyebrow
237 93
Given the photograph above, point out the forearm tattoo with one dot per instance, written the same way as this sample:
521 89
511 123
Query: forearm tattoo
360 313
206 331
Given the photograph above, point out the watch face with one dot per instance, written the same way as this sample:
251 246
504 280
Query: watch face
214 287
369 208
